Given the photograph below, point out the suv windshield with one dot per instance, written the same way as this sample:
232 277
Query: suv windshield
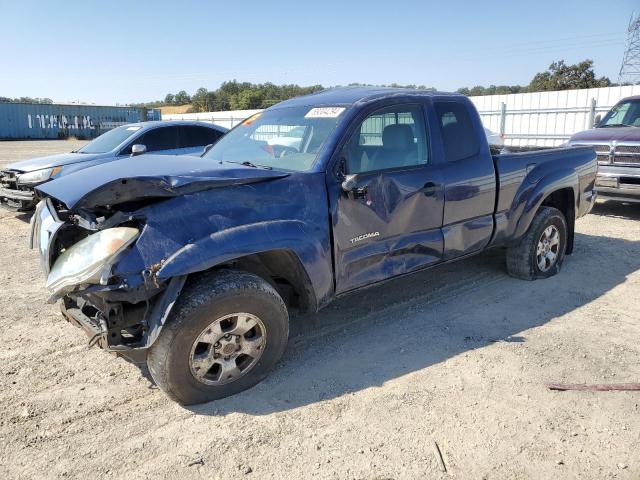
624 114
110 140
287 138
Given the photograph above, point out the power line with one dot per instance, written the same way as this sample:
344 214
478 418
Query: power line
630 69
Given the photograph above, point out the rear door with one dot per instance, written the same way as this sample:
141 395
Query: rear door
469 178
390 222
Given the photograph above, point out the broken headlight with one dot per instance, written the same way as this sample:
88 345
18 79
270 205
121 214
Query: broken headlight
89 260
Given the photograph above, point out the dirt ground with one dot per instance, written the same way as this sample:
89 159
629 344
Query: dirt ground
458 356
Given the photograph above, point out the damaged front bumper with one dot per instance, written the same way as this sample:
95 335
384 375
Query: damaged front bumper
124 316
120 327
14 196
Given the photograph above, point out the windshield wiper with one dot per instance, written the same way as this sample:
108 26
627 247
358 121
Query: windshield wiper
615 125
246 163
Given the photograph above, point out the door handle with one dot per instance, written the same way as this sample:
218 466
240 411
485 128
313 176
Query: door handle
429 188
360 192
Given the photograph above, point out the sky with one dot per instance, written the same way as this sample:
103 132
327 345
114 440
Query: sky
115 52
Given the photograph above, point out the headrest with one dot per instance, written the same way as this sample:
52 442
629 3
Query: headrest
397 137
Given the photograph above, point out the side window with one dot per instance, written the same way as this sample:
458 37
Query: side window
393 137
198 136
459 136
163 138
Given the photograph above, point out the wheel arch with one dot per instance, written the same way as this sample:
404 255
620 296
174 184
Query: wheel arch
281 268
564 200
556 190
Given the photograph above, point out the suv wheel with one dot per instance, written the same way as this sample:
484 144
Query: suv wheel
540 253
227 331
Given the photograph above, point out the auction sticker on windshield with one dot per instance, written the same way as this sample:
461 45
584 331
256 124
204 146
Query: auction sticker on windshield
133 129
324 112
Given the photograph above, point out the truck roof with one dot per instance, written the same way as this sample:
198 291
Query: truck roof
351 95
633 97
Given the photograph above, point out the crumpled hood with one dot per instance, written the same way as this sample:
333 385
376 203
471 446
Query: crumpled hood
52 161
149 176
619 134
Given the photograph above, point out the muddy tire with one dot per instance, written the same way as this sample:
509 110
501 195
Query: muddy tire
225 333
540 253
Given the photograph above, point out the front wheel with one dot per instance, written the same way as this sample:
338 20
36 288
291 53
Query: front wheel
540 253
227 331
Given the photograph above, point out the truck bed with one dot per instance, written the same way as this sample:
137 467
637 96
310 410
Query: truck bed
520 174
496 150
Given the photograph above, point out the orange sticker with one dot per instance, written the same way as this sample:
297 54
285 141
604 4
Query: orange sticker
251 119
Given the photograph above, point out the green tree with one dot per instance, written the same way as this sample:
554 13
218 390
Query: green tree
248 99
169 99
200 100
561 76
182 98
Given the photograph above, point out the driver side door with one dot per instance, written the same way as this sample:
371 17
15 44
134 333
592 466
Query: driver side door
159 141
389 222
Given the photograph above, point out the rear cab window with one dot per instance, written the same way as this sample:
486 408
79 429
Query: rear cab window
459 137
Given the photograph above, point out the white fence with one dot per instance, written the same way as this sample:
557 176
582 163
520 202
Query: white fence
541 118
547 118
225 119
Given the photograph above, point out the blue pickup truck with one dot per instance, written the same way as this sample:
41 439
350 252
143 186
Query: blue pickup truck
193 264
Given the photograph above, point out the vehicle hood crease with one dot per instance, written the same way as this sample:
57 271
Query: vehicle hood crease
150 177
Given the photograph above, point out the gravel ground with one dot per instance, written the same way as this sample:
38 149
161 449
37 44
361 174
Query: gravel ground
457 356
11 151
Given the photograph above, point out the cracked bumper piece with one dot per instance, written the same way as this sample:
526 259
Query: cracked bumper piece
85 316
17 199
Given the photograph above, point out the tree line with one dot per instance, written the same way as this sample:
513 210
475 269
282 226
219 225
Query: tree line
234 95
559 76
41 101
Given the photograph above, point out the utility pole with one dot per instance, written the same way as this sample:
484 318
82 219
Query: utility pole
630 69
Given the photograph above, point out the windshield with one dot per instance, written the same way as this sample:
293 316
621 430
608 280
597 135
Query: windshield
624 114
110 140
287 138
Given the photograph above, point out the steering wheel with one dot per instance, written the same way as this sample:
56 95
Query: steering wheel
287 151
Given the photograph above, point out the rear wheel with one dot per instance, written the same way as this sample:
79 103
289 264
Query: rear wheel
541 251
226 333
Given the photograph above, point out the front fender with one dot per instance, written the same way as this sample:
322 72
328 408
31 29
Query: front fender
236 242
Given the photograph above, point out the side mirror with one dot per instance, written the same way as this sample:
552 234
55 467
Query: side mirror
138 149
207 148
349 183
597 120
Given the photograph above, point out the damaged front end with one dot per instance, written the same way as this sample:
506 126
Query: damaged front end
105 233
120 312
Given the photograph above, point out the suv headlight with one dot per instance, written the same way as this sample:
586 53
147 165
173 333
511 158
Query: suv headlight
89 259
38 176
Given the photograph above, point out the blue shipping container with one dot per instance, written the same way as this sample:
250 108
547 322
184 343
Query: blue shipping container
29 120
